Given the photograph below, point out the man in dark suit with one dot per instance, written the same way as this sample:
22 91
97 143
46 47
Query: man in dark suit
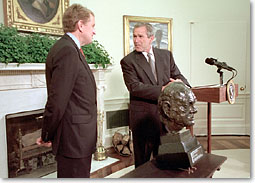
147 71
70 117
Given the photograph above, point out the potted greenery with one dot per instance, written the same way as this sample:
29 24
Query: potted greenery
16 47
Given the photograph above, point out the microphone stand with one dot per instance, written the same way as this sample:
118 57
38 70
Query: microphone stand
221 75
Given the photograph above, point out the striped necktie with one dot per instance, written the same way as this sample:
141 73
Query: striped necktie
152 64
82 52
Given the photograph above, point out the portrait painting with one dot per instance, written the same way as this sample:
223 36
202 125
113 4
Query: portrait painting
162 27
42 16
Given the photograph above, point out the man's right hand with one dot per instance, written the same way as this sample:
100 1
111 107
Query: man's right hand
39 141
171 80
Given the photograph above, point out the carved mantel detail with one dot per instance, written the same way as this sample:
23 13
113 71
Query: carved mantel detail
23 76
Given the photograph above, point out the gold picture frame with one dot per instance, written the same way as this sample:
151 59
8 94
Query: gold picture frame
35 15
163 27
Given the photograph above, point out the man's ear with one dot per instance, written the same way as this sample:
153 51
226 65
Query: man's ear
166 107
79 25
152 38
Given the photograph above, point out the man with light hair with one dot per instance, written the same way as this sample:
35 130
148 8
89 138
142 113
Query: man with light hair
70 116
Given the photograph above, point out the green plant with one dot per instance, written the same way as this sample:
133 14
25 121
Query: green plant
96 52
16 47
21 48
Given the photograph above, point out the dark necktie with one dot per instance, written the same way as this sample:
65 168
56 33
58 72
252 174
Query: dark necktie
152 64
82 52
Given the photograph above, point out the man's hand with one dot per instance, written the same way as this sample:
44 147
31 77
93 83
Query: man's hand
175 80
171 80
39 141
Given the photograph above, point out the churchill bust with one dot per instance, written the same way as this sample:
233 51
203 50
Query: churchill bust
176 107
178 149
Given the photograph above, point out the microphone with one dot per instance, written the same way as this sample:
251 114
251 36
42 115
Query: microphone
220 65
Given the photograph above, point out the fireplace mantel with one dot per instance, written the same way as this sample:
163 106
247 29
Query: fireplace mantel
23 76
6 68
32 75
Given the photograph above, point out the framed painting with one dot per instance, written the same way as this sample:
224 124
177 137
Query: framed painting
162 27
42 16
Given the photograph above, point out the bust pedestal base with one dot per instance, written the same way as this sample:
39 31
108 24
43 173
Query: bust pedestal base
181 150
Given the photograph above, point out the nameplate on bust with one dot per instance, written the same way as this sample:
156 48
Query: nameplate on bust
196 154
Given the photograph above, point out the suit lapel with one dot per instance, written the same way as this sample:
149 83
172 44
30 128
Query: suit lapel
83 60
142 62
86 65
159 66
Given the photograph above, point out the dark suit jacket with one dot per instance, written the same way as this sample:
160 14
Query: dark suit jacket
70 117
143 88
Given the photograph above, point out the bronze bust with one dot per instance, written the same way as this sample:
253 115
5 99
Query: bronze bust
178 149
176 107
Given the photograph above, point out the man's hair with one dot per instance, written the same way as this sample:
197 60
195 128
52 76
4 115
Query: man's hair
73 14
149 28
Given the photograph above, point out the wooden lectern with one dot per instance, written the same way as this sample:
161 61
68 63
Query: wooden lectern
209 94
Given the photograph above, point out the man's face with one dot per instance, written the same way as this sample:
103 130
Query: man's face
88 31
141 41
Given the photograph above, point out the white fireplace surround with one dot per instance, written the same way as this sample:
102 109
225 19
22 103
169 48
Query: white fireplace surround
23 88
